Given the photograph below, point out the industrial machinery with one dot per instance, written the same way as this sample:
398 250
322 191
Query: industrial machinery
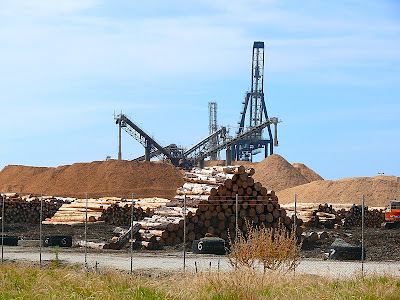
247 142
392 214
256 112
213 127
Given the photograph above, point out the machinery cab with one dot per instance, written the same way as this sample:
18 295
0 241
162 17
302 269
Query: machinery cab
392 213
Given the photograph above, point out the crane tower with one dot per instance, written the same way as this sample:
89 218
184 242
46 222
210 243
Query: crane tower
213 127
254 112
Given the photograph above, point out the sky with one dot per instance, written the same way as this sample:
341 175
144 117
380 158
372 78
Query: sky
332 75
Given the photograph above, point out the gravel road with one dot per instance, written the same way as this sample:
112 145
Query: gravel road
163 260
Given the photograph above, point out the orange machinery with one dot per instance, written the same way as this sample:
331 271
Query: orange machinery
392 214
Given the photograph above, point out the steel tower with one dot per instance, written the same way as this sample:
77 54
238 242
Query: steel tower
255 109
213 127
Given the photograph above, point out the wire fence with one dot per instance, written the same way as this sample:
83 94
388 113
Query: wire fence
361 245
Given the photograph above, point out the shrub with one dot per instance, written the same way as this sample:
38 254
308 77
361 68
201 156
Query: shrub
270 248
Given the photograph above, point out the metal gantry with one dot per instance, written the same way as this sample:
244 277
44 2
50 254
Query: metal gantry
254 112
152 148
213 127
247 142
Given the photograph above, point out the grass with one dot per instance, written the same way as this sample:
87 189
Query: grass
29 282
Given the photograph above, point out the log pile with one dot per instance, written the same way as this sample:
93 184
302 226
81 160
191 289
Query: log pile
353 217
74 213
27 209
164 228
335 215
120 214
212 192
111 210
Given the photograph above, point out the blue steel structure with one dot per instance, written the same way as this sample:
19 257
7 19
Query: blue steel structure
255 109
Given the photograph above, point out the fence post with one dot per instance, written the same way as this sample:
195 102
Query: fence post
362 236
184 233
132 235
40 231
237 216
2 231
295 224
86 264
295 213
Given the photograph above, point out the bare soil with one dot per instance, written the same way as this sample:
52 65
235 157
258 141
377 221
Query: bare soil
381 244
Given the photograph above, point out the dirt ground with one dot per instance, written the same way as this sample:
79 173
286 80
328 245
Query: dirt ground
381 244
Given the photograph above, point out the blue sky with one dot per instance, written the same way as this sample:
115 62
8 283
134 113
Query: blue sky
332 74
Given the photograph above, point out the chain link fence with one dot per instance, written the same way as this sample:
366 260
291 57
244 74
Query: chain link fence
363 245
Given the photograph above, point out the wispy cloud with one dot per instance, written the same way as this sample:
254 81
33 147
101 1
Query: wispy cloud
44 8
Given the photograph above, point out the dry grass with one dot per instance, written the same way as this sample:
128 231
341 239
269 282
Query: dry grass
29 282
272 249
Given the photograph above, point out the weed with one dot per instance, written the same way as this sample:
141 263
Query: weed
272 248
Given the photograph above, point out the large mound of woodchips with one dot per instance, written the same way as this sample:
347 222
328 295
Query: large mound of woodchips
377 191
309 174
117 178
277 174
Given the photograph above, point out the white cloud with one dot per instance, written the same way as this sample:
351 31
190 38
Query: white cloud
44 8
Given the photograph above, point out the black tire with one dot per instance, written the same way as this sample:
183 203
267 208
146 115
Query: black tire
209 246
9 240
57 240
340 250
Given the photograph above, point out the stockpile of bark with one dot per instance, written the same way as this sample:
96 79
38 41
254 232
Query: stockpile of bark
19 209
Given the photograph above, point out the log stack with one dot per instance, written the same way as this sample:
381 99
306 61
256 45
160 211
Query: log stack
120 214
330 216
212 192
353 217
165 228
27 209
74 213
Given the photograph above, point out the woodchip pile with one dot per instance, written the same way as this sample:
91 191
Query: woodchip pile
309 174
378 191
278 174
19 209
98 179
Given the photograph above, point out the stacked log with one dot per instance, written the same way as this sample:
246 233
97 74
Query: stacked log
120 215
74 213
27 210
213 191
353 217
313 236
330 216
162 230
111 210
